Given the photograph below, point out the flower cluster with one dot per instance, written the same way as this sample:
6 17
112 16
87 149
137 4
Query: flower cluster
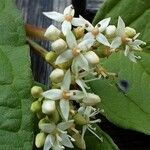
68 109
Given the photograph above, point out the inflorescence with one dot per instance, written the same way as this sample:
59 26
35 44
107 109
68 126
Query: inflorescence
68 109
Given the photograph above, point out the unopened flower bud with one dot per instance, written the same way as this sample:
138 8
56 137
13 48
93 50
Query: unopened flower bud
50 57
79 119
59 46
79 141
36 106
91 99
110 30
36 91
48 107
130 32
40 139
79 32
92 58
52 33
57 75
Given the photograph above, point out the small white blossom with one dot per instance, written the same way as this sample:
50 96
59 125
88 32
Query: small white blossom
57 135
111 30
59 46
96 32
89 112
57 75
76 52
131 44
67 18
64 95
48 107
52 33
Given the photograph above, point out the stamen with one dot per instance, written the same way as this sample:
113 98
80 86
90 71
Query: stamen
66 95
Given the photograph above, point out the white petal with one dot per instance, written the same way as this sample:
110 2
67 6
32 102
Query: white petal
102 39
76 95
86 44
65 125
64 107
69 10
66 25
55 16
77 22
82 62
66 81
53 94
81 85
66 141
120 27
83 131
116 43
48 142
87 25
64 57
132 57
138 42
47 127
89 35
74 67
127 50
71 40
88 111
103 24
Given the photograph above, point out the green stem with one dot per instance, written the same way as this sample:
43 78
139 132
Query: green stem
37 48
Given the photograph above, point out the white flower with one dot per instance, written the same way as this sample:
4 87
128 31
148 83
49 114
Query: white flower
110 30
59 46
89 112
75 52
91 99
48 107
131 44
57 75
92 58
57 135
67 18
64 95
52 33
96 32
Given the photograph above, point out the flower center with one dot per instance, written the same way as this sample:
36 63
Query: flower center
125 39
95 31
75 52
68 18
66 95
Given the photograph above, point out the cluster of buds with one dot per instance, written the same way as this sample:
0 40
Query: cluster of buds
68 110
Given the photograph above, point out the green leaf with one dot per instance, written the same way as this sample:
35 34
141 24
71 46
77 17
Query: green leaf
130 110
93 143
16 120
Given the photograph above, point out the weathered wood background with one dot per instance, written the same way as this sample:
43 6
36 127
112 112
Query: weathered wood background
32 13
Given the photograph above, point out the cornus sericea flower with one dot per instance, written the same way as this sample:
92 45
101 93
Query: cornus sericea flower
76 51
128 37
67 18
57 75
64 95
89 112
96 32
57 136
52 33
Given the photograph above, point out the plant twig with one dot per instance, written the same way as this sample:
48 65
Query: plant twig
37 48
35 32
